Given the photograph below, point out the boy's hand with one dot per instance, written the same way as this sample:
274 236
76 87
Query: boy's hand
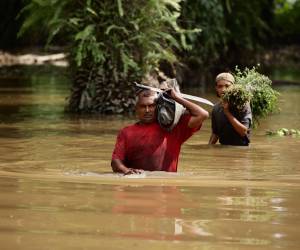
225 106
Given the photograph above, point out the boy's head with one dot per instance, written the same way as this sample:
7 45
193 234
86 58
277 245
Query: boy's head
223 81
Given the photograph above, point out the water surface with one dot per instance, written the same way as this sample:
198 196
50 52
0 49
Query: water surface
58 192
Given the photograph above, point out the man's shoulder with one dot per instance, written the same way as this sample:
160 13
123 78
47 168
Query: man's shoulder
139 127
183 125
126 132
129 127
184 119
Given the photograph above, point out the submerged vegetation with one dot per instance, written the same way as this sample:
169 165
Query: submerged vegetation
254 87
284 132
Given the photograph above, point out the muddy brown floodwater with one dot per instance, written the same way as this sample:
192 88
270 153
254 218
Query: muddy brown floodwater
57 190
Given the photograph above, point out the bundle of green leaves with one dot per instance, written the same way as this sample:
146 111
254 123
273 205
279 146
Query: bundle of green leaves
252 86
237 96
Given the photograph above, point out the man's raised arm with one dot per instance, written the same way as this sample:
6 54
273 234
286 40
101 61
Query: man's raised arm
198 114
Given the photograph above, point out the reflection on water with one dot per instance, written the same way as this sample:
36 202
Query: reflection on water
57 189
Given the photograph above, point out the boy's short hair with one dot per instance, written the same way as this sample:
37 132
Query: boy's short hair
226 77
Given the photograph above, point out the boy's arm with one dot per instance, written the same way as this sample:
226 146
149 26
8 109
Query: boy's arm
240 128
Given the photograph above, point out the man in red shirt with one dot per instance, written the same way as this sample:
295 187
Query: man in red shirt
145 145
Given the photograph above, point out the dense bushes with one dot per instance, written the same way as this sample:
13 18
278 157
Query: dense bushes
286 22
112 44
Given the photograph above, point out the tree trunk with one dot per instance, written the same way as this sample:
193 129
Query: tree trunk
95 91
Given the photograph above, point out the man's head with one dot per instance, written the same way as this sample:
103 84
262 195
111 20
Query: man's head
146 106
223 81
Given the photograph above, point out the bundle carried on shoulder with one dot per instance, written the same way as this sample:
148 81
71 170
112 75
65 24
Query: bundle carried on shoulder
251 86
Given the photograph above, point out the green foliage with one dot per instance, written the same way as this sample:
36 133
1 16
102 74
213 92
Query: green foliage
264 97
209 17
286 21
112 44
256 87
133 36
249 23
229 28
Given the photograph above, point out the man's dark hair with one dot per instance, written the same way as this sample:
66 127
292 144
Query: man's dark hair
145 93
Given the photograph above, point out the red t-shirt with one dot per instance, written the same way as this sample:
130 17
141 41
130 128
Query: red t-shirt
149 147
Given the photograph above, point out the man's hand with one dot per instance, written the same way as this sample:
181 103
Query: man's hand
119 167
174 94
133 171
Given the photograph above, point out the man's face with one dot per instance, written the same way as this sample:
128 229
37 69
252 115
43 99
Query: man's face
221 86
146 108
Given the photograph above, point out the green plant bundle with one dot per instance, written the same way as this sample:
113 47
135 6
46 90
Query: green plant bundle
264 97
252 86
237 96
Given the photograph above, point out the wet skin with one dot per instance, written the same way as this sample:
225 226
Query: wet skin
221 86
146 109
